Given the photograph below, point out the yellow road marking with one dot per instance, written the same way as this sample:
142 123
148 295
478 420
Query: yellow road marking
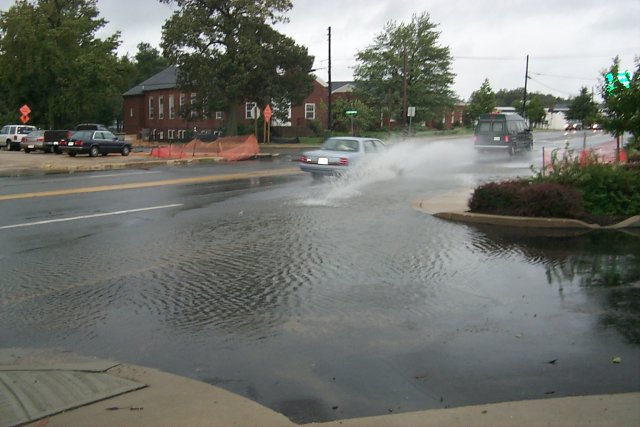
135 185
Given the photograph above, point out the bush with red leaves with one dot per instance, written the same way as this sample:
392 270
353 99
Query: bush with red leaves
521 198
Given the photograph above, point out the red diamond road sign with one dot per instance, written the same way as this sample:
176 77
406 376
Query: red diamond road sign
267 113
25 110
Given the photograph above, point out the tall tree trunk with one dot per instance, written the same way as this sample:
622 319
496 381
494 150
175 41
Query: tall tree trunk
232 121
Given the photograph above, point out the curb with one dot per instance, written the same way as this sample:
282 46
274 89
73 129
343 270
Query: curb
49 169
451 206
548 223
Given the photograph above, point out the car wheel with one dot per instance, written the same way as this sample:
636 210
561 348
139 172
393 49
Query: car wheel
125 150
8 146
27 150
93 151
71 154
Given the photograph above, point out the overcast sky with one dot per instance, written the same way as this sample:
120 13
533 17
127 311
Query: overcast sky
569 42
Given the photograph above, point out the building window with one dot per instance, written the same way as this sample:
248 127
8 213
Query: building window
194 112
151 108
161 135
161 107
131 112
310 111
219 115
172 108
249 110
171 134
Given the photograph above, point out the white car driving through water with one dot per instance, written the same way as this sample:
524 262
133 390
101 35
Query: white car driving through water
339 154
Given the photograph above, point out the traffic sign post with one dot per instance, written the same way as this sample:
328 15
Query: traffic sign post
411 112
352 114
267 123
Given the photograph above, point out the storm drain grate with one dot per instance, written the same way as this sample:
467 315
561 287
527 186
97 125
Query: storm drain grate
29 395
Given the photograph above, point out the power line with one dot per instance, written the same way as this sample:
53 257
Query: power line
565 77
549 87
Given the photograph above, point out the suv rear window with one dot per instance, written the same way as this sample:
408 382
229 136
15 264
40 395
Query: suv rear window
23 130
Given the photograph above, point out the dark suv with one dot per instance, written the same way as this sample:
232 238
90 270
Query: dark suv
502 131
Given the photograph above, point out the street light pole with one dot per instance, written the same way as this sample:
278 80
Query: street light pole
524 100
329 106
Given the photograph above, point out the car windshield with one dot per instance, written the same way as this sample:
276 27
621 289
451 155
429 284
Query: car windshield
23 130
340 145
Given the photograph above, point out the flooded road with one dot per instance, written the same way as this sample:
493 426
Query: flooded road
331 300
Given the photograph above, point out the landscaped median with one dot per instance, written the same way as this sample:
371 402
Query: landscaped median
573 193
453 206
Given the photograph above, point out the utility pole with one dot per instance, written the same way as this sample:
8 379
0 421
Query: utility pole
404 86
524 100
328 133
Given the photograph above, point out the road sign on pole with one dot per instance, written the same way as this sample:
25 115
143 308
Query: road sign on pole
267 123
24 110
351 112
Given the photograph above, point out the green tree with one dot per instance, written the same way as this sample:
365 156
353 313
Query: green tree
481 101
622 104
51 60
148 62
583 108
406 54
509 98
366 119
228 53
535 111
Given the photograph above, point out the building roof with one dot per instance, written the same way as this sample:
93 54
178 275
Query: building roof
341 87
165 79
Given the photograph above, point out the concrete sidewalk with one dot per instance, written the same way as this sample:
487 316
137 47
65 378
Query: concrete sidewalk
160 399
18 163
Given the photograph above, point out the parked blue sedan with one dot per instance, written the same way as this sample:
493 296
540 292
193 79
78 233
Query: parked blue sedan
337 155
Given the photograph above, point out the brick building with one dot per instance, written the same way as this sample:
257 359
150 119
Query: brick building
153 108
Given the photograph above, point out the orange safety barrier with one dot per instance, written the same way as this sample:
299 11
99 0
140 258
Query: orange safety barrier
601 153
232 148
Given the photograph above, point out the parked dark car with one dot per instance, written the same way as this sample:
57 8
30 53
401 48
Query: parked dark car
502 131
93 143
45 140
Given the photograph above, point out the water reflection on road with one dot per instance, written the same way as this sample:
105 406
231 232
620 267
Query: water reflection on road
334 301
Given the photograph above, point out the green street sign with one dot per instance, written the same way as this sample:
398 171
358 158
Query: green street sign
351 112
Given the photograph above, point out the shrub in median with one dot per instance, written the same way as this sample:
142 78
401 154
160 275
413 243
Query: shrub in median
607 189
523 198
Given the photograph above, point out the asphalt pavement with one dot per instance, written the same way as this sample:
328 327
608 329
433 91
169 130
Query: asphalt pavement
57 388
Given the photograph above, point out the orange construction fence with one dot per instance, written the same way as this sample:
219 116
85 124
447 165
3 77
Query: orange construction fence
232 148
604 153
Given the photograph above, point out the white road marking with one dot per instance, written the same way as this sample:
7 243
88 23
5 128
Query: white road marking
76 218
